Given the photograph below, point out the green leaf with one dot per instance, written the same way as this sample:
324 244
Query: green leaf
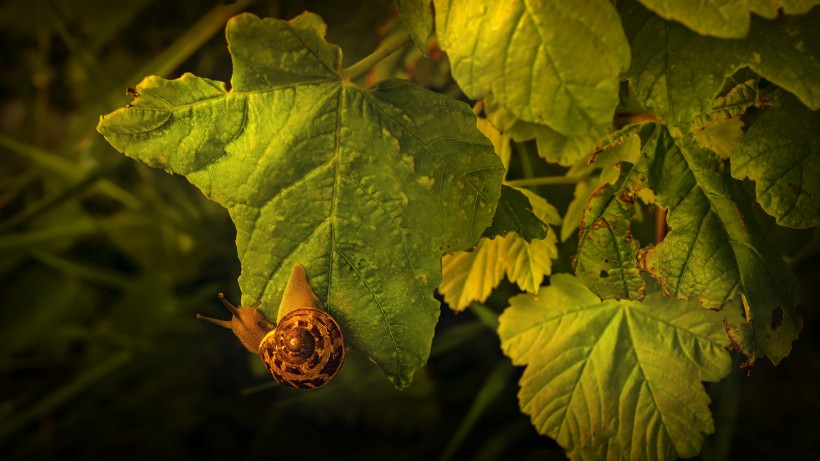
514 214
501 141
469 276
737 101
781 153
417 16
528 262
714 249
615 379
552 146
724 18
575 210
720 129
678 73
607 260
552 63
721 138
620 146
361 186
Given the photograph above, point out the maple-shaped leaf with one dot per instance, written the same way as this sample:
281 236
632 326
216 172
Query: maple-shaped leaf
678 73
361 186
781 153
714 249
615 379
555 63
724 18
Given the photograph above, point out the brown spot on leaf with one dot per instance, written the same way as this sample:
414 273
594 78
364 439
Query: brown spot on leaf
434 51
739 215
798 190
599 223
626 196
641 262
730 332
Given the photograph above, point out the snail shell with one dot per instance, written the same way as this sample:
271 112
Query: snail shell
305 349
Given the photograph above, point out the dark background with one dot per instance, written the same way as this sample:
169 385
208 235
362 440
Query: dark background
104 262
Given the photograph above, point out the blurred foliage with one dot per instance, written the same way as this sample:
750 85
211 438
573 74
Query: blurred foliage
104 262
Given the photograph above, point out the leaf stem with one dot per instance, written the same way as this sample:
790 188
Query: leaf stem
660 225
544 181
385 49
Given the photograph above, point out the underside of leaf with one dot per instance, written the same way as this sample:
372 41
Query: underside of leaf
615 379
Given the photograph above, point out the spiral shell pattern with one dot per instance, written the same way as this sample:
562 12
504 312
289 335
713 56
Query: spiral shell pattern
305 350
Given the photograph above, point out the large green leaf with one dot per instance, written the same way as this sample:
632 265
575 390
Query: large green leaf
714 249
615 379
678 73
781 152
724 18
361 186
554 63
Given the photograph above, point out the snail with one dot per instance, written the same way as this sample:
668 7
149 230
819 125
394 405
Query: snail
305 349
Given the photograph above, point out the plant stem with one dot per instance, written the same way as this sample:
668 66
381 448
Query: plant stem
660 224
385 49
524 157
544 181
485 315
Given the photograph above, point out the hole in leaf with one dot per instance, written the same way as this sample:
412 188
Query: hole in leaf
777 317
604 274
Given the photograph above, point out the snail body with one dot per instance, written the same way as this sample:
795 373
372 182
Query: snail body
305 349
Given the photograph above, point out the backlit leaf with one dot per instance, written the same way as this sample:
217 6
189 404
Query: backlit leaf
469 276
361 186
615 379
554 63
